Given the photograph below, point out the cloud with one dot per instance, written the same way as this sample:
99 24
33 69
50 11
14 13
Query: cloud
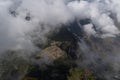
39 17
21 19
98 13
14 26
88 28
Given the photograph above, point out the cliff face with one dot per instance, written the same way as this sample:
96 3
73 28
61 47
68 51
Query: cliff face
57 55
69 54
56 60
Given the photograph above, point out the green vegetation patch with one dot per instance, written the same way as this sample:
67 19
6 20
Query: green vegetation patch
78 74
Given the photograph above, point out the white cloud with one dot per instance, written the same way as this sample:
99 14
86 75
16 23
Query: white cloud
88 28
52 14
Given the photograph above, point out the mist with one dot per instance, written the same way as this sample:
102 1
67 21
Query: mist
19 19
53 14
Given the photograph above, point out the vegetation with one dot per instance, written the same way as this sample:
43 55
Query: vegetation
78 74
13 66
